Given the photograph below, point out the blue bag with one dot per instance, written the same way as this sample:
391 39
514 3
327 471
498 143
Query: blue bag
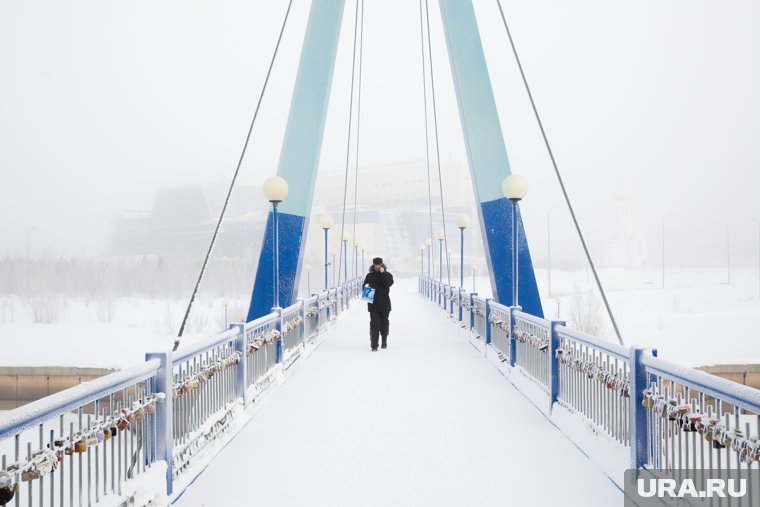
368 294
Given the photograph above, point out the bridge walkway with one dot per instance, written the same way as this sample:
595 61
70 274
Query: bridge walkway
426 422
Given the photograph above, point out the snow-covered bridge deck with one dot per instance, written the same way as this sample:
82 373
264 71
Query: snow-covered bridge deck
427 422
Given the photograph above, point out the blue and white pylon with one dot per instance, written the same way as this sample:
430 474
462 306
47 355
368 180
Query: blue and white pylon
299 156
487 156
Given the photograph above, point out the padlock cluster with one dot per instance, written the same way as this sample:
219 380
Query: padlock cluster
46 461
593 370
259 341
196 380
531 339
478 311
291 324
499 323
466 304
714 431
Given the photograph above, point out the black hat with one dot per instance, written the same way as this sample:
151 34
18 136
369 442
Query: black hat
377 260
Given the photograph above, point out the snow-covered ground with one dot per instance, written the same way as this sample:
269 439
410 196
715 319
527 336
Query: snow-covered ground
697 319
427 422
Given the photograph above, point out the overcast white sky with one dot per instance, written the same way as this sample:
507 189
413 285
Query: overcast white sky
102 102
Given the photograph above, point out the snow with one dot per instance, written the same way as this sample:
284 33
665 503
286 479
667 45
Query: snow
426 422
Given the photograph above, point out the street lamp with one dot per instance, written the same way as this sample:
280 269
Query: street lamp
549 247
346 237
462 221
308 279
663 249
429 244
325 222
333 254
439 236
275 189
515 188
422 259
356 258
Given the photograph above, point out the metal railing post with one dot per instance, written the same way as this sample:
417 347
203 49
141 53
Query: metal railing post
512 341
460 304
164 441
240 368
638 413
278 347
472 310
303 321
488 320
554 362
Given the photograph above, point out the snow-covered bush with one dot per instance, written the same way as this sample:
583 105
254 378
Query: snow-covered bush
585 313
46 308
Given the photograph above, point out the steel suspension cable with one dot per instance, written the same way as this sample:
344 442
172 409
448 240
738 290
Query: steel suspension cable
234 178
358 127
348 143
559 177
431 257
437 146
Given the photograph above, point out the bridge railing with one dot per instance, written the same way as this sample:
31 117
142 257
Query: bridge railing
697 420
83 443
79 445
668 415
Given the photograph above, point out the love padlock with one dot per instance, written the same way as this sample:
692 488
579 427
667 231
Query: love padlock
30 475
648 401
80 446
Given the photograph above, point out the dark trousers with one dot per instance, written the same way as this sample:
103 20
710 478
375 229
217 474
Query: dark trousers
378 326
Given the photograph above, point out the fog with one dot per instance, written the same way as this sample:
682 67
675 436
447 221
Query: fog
655 104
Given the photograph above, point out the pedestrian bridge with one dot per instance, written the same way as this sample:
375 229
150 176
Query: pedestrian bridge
473 403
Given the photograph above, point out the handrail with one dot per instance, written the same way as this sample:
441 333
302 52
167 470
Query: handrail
625 392
611 348
737 394
37 412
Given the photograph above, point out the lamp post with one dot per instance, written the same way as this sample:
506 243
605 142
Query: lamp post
663 249
325 222
363 249
422 259
728 254
515 188
462 222
439 236
429 244
275 189
308 280
346 237
356 259
332 254
549 248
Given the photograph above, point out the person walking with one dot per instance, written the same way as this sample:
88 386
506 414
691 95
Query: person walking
381 280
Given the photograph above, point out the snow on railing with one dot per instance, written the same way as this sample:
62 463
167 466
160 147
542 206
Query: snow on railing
169 408
670 416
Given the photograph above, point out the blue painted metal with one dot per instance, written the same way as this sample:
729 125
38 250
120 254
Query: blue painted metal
512 340
488 321
461 257
460 304
554 362
472 309
240 368
639 435
299 156
290 228
164 442
487 154
278 349
276 256
326 261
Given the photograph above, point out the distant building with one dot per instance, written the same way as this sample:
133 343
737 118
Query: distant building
182 222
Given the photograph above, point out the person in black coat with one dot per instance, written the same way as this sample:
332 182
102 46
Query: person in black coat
381 280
